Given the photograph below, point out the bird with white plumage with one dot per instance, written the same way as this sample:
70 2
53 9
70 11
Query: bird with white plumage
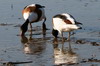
33 13
64 23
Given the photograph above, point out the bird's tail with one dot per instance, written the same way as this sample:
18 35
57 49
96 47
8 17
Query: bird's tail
78 23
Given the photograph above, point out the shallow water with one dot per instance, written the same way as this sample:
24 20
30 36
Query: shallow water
85 43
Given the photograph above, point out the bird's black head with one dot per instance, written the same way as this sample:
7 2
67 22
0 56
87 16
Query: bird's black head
39 6
55 33
24 27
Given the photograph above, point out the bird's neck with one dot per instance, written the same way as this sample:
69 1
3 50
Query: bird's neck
24 27
26 23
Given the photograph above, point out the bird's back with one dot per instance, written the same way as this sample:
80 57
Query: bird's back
33 13
64 22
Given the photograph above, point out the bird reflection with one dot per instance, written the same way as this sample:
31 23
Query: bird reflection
32 45
64 55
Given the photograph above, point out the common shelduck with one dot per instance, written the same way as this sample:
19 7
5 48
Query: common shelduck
33 13
64 23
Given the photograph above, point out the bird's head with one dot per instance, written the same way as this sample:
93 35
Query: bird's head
55 33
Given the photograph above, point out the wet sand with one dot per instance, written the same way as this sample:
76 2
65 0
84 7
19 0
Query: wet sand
34 50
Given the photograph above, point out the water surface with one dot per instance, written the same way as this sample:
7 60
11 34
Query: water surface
41 51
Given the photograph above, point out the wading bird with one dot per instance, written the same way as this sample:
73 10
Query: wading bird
33 13
64 23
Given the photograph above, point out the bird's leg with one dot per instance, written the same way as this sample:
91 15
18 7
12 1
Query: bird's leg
62 47
44 28
62 37
30 28
68 36
70 49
